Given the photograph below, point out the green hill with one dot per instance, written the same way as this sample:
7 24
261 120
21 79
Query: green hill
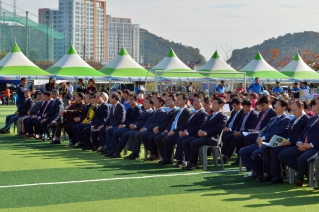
156 48
289 45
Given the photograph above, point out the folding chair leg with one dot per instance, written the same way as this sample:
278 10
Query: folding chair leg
240 164
215 155
204 157
221 159
311 174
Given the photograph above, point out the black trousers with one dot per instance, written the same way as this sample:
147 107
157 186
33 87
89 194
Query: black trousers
271 160
126 137
160 144
191 147
138 141
149 143
173 140
226 139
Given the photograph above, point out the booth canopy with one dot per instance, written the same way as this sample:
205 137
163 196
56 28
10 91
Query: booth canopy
297 69
72 66
258 67
217 65
124 68
16 65
172 64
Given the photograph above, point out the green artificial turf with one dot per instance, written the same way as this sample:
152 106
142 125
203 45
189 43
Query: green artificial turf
123 185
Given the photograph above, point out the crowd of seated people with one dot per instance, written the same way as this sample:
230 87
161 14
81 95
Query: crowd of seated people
179 124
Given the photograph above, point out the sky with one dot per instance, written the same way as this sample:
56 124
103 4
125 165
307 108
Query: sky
210 25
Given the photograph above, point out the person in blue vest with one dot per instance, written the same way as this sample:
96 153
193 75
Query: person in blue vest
304 86
255 87
295 88
221 87
278 88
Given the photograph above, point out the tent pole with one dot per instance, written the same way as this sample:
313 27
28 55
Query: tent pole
232 83
156 80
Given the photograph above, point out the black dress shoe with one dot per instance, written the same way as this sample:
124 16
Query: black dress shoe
109 154
191 166
127 157
299 183
165 161
87 148
133 157
276 180
236 163
56 141
316 188
179 164
94 148
265 178
101 149
116 155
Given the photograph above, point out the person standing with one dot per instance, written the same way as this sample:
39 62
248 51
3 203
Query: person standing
221 87
295 88
278 88
20 92
255 87
50 85
304 86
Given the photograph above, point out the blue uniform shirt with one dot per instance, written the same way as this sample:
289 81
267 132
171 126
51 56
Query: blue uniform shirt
277 90
255 87
220 89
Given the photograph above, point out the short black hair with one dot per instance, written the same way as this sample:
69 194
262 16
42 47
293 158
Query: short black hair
81 95
206 100
127 91
247 102
154 92
92 95
198 96
184 96
150 100
236 101
283 103
22 79
264 100
119 92
161 99
116 96
173 97
47 93
220 101
134 96
222 81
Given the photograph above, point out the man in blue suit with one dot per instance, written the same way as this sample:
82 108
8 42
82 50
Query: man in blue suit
191 126
25 106
272 168
263 119
132 115
53 113
155 141
101 114
148 128
117 117
307 145
207 135
135 127
252 155
248 120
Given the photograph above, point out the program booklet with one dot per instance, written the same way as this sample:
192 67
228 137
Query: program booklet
276 141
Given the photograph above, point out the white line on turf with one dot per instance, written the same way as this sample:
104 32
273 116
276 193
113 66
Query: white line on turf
112 179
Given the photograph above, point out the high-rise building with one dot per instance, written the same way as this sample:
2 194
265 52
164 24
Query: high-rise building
95 35
122 33
83 23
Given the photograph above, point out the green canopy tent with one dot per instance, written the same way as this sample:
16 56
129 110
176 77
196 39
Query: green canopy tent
16 65
297 69
71 66
218 69
124 68
171 65
258 67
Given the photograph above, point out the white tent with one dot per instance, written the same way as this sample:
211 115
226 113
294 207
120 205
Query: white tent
297 69
72 66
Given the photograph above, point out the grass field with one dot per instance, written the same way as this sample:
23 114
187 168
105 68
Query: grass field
35 176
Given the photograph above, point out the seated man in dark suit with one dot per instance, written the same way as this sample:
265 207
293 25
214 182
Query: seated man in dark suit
117 118
83 121
155 141
22 111
232 122
132 115
252 155
270 154
134 128
307 145
66 116
193 123
101 114
33 124
172 130
263 119
248 120
52 113
207 135
153 122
